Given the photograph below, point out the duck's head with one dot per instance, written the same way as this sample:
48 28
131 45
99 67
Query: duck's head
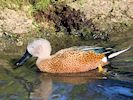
40 48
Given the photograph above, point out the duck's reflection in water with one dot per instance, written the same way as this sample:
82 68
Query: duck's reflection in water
50 82
43 90
90 85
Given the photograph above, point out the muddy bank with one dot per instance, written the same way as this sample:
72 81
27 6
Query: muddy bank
94 21
106 15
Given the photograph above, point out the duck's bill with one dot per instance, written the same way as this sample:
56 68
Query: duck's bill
23 59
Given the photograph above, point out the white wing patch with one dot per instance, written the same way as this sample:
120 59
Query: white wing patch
104 59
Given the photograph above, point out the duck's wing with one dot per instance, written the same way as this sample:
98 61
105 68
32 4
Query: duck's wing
103 50
109 52
98 50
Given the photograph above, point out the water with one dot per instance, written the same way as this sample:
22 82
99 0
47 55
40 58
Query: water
26 83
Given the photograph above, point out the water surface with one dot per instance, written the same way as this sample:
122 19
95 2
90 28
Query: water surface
27 83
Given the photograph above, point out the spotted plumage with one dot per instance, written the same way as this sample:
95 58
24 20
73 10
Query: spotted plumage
69 60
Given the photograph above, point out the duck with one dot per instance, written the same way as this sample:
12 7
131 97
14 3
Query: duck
74 59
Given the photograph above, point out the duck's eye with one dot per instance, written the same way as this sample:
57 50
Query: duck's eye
32 47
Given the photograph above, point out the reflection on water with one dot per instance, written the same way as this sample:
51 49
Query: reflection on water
24 83
51 83
116 84
72 87
83 86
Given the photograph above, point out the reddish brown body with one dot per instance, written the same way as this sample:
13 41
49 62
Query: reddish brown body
71 61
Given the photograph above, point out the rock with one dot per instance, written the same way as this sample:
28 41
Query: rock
19 43
1 32
15 21
114 11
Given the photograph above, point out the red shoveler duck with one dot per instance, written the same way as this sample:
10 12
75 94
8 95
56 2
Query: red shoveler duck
69 60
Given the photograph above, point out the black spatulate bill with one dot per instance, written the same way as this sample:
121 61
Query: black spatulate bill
23 59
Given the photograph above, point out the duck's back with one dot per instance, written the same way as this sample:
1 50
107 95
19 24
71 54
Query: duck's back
72 60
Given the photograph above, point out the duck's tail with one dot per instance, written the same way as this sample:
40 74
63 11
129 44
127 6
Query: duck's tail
117 53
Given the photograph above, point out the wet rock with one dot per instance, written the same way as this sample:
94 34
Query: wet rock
101 36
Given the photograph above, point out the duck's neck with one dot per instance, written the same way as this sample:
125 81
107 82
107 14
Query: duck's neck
44 55
42 58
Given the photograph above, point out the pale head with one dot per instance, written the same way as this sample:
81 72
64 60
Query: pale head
40 48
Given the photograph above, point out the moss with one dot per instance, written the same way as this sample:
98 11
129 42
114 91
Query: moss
18 4
13 4
10 87
40 4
